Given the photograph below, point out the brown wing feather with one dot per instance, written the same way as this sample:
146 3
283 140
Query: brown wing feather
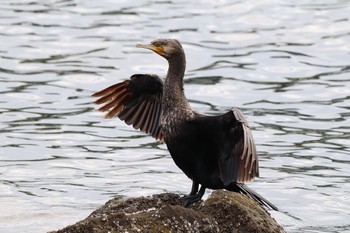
237 158
147 125
248 167
136 101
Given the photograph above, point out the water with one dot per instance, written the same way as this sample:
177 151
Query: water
286 65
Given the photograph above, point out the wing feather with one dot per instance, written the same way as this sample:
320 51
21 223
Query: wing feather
147 124
238 162
136 101
137 117
248 167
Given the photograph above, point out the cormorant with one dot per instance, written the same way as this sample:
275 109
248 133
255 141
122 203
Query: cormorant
216 152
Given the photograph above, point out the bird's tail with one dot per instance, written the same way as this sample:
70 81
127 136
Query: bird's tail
244 189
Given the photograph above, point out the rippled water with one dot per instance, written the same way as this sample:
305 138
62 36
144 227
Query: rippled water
285 64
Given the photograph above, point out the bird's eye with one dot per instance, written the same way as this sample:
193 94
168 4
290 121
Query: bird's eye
156 43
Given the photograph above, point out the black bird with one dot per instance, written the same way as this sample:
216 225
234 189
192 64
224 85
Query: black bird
216 152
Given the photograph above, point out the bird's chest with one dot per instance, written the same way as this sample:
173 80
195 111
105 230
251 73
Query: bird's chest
170 125
173 122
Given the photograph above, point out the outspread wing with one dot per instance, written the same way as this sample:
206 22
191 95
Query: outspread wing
238 161
136 101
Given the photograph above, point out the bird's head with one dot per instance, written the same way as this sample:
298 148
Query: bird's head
166 48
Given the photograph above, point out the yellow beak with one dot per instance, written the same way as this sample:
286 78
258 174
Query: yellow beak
157 49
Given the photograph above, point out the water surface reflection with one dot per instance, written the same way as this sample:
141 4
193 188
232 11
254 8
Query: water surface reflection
286 65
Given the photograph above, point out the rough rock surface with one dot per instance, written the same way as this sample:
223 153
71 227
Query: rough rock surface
223 211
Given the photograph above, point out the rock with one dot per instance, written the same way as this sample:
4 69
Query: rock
223 211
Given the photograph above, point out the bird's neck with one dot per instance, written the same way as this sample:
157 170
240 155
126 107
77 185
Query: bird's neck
176 70
173 95
175 107
173 86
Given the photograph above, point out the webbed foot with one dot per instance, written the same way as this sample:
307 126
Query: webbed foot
189 199
194 196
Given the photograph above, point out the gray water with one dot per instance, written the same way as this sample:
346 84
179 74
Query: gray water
286 64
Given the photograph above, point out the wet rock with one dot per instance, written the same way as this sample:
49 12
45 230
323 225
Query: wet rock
223 211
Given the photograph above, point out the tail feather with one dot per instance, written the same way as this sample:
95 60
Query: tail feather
242 188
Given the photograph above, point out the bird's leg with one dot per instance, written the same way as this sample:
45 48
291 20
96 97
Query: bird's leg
186 200
194 195
194 188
